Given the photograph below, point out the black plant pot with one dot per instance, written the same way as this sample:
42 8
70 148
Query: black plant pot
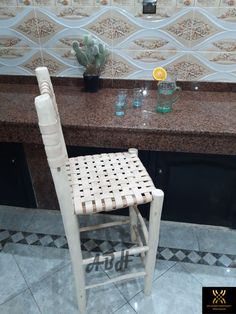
91 83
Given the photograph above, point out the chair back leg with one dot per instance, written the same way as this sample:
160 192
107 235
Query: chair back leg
133 223
132 214
154 229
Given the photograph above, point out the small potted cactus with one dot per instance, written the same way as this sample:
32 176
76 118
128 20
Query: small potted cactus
92 55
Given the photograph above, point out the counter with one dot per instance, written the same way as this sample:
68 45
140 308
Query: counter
201 122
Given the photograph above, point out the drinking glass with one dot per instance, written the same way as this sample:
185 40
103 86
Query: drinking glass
137 97
167 95
120 103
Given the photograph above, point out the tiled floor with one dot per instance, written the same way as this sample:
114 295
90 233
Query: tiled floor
36 277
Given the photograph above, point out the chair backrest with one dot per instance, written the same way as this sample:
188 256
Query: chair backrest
49 120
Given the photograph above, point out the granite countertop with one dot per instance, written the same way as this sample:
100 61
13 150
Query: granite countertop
202 122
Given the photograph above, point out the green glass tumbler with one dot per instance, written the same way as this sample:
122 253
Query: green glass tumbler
167 95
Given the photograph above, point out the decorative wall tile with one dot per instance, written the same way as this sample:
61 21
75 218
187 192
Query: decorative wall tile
124 2
8 3
150 56
227 3
65 55
104 2
25 2
228 14
181 29
185 3
195 39
226 45
150 43
112 27
44 59
207 3
192 29
203 28
67 42
150 40
224 58
12 53
188 68
9 12
28 27
117 67
45 29
44 2
84 2
63 2
9 41
77 13
53 64
35 61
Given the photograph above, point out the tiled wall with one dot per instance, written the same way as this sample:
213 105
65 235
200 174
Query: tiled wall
194 38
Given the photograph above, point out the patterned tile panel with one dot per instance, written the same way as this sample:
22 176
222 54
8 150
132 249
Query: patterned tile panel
104 246
224 58
191 29
74 13
228 14
8 3
150 55
9 12
28 27
38 26
118 67
35 61
112 27
226 45
13 53
195 39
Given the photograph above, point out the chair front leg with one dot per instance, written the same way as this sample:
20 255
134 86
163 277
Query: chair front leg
73 238
154 228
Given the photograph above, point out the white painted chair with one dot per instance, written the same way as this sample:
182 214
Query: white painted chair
91 184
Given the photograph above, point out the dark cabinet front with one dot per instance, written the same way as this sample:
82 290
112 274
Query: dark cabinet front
198 188
15 183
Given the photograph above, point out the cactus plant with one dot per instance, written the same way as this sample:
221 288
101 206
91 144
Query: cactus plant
91 54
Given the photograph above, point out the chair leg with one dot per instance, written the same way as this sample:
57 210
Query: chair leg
154 227
72 231
132 214
133 222
73 239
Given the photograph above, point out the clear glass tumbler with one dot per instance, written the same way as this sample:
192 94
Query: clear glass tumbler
137 97
120 103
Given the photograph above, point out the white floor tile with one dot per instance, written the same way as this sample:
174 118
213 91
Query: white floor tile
36 262
11 279
21 304
175 292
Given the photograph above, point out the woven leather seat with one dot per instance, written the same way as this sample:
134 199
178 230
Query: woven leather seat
108 181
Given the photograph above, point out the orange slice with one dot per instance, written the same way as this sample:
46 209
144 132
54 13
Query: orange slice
159 74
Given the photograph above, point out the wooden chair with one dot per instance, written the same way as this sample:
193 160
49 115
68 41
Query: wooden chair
91 184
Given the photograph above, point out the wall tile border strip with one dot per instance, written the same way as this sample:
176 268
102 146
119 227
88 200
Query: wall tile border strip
118 83
103 246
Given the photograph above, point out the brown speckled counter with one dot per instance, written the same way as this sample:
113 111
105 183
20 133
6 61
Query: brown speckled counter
201 122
